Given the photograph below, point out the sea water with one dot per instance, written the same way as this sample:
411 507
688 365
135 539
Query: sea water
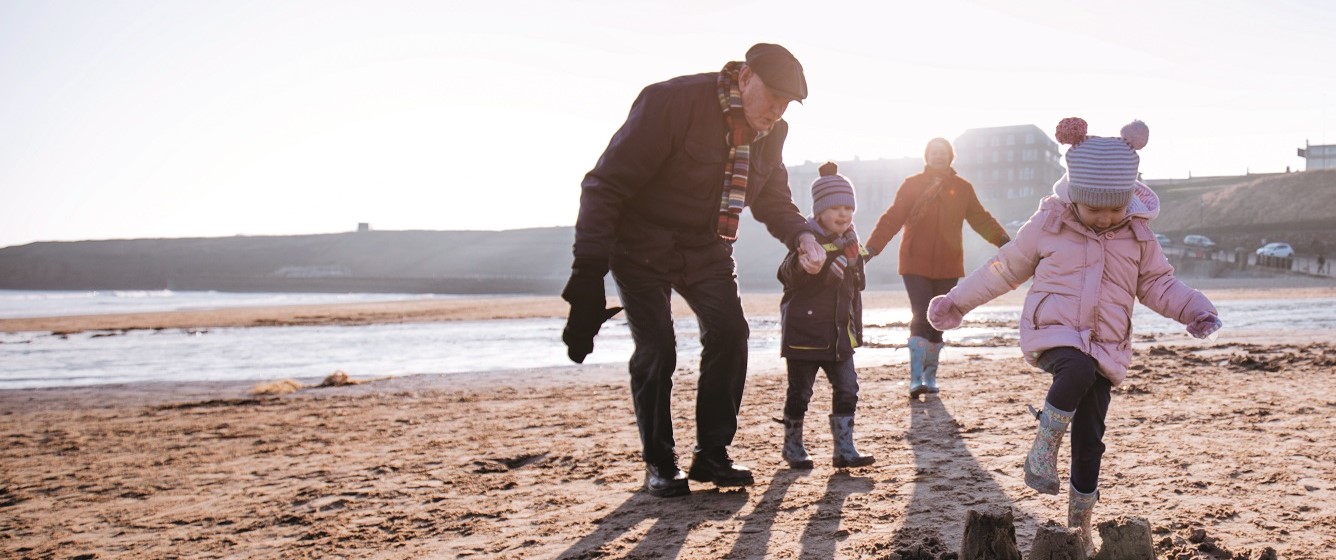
37 303
39 359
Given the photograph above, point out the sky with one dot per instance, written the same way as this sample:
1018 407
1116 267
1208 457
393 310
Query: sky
143 119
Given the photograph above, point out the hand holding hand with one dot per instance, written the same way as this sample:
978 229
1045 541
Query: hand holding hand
811 255
943 314
1204 325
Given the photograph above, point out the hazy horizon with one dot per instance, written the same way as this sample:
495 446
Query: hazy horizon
149 119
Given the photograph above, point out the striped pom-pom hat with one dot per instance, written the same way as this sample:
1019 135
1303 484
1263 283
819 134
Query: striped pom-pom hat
1102 172
831 189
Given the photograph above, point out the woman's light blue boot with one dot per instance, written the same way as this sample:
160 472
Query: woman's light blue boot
918 352
930 360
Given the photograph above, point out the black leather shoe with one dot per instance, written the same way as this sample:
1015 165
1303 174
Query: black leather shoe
714 465
665 481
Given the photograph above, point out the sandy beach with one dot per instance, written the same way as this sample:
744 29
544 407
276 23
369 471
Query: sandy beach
1224 448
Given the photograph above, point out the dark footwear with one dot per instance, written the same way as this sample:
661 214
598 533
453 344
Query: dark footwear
714 465
665 481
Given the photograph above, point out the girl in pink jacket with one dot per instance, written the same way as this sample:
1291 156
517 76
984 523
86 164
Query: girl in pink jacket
1092 257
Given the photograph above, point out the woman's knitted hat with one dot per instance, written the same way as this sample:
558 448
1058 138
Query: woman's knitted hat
831 189
1102 172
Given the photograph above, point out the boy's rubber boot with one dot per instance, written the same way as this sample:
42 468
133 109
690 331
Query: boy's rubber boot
846 455
1041 465
930 359
1079 509
795 453
918 350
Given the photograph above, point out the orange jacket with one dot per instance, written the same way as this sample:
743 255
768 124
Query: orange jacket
932 246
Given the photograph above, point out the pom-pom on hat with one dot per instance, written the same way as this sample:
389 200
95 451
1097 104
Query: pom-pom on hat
831 189
1102 172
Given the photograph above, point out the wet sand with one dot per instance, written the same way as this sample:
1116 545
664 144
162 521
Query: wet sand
1231 440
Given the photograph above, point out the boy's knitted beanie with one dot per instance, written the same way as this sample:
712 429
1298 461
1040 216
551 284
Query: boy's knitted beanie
1102 172
831 189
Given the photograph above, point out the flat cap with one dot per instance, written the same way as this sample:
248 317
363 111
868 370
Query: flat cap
778 68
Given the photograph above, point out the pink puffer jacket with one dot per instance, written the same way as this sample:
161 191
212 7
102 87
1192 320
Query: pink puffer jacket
1085 283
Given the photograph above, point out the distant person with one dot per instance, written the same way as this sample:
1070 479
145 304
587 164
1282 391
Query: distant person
822 320
1092 255
661 209
931 207
1322 263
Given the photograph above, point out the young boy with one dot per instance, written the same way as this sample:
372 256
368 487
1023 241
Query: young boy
822 318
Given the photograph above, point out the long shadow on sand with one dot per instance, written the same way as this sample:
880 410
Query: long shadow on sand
673 520
818 539
756 528
821 534
948 479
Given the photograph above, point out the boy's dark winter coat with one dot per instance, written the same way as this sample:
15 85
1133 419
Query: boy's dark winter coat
822 320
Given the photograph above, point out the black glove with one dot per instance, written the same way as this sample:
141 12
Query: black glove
584 291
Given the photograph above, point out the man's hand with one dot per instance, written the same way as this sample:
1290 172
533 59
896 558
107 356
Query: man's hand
811 255
584 291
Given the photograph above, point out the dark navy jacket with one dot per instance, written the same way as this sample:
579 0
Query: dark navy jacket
652 200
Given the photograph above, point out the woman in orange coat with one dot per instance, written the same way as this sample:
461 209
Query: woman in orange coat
931 207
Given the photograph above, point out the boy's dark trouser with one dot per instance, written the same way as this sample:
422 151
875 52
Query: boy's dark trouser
646 298
1077 385
921 290
843 382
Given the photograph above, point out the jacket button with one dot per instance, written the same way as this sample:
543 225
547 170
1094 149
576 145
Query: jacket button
1108 235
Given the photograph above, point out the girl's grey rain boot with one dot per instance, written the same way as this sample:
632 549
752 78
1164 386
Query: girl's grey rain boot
795 453
918 350
1079 509
930 359
1041 465
846 455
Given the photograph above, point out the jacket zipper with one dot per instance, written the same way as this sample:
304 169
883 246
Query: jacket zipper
839 288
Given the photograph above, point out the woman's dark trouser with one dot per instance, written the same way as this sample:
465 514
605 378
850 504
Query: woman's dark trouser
646 298
843 382
921 291
1077 385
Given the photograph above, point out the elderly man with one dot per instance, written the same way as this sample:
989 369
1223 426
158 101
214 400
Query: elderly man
661 209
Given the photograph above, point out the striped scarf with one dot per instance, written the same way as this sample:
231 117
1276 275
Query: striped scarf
845 247
740 138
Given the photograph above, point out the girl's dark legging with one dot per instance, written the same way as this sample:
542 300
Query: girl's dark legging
1077 385
921 290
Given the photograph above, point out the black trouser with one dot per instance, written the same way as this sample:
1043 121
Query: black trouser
1077 385
802 375
921 291
723 363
